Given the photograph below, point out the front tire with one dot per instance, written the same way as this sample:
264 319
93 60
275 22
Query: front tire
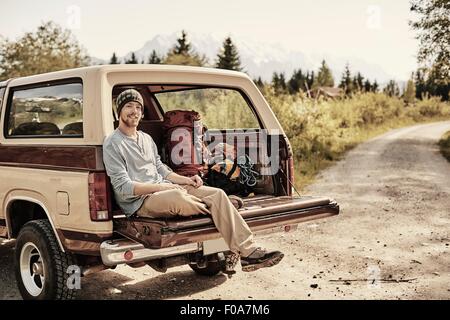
40 266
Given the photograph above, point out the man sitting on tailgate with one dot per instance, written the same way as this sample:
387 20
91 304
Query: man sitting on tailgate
143 185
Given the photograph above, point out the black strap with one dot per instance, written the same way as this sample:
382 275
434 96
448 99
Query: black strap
233 169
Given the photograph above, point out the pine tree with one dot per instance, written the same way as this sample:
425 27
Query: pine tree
346 83
358 82
367 86
114 59
183 46
392 89
182 54
410 92
229 57
283 85
374 87
420 83
296 82
154 58
259 83
354 85
275 79
324 77
279 83
132 60
434 85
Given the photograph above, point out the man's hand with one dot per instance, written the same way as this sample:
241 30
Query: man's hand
194 181
197 181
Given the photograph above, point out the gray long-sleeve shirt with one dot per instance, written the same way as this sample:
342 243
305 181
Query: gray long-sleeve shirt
127 160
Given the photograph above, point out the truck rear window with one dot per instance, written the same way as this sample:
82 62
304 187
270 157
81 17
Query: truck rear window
220 108
51 110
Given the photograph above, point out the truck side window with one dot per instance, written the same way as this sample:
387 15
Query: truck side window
51 110
2 92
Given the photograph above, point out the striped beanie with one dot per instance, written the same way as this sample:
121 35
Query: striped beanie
127 96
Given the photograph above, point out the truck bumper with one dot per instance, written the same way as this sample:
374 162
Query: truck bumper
124 251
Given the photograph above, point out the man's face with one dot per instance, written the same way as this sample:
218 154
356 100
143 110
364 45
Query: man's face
131 114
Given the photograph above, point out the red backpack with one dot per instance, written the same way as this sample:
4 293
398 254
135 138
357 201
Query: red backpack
184 142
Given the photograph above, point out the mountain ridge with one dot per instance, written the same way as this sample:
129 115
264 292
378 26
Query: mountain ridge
260 60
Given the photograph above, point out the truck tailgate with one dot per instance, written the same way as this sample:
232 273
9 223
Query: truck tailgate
261 213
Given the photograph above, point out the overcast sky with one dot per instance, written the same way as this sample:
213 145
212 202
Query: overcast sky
374 30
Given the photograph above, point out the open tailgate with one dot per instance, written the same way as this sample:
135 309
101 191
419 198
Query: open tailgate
261 213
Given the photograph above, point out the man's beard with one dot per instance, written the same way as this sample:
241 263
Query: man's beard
130 121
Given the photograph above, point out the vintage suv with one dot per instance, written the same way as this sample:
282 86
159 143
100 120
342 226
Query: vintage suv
56 198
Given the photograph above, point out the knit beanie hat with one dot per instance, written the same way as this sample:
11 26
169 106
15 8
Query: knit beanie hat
127 96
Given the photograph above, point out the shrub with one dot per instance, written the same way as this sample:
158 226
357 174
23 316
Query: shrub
321 131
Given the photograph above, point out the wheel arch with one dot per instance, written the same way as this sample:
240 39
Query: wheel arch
36 210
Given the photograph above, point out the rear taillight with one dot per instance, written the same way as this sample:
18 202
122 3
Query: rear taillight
99 197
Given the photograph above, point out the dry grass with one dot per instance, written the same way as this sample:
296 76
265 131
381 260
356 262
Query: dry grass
321 132
444 145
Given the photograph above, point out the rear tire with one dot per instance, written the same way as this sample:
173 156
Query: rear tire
214 266
40 265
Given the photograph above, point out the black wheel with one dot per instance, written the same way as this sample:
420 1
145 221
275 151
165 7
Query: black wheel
211 266
40 266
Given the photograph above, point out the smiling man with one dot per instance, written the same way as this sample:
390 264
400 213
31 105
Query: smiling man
146 187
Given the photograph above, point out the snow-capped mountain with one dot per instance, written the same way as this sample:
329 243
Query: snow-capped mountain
261 59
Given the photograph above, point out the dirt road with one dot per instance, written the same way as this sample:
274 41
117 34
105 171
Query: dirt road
394 193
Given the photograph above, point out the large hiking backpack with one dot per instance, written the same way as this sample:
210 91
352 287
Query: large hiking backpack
234 175
184 142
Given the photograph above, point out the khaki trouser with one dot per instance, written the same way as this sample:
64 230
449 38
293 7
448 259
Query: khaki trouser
202 200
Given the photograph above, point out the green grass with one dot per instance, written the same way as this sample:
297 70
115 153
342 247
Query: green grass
444 145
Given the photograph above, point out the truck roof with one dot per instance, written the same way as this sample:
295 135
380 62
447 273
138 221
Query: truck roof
112 68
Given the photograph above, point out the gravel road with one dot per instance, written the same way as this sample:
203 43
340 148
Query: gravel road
391 240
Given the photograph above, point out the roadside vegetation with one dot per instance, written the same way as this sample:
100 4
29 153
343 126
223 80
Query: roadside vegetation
321 131
444 145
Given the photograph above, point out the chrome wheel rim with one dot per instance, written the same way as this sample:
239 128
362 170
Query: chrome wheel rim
32 269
